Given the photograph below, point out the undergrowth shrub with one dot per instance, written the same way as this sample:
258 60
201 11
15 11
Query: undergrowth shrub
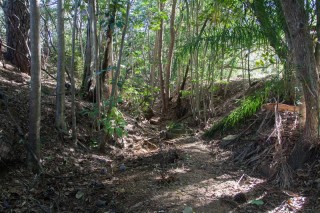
113 123
137 93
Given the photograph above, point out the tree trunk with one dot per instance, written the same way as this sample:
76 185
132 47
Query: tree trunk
108 52
73 90
305 64
87 72
60 89
17 20
182 110
33 145
170 55
154 65
89 80
162 92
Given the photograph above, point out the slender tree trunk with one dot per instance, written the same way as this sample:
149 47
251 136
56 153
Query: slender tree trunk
180 110
162 92
60 89
117 73
305 64
33 146
170 55
196 88
248 64
151 61
80 38
73 90
222 63
155 58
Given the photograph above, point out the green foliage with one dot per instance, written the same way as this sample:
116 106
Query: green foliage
185 93
248 107
173 126
114 123
138 94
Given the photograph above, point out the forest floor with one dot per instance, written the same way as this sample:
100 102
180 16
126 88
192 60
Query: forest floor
145 172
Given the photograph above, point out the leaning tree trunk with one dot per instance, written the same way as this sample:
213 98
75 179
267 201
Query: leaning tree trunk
17 20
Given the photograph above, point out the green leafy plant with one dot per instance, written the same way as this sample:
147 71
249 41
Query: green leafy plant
185 93
138 94
114 123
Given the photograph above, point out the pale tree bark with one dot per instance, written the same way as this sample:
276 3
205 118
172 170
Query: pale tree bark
60 88
73 90
170 56
94 50
33 145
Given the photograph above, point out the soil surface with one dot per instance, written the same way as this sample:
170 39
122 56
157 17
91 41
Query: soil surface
146 171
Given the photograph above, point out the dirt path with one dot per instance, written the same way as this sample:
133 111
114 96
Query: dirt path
202 177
